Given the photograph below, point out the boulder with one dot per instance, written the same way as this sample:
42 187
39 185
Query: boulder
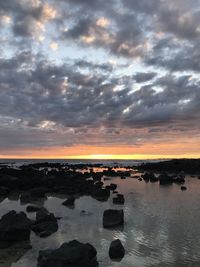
113 218
72 254
14 227
32 208
101 194
165 179
116 250
69 202
45 224
4 191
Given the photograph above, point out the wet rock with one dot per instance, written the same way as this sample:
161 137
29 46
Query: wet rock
149 177
106 178
26 197
140 179
4 191
116 250
32 208
101 194
14 227
69 202
39 192
165 179
72 254
113 186
45 224
179 180
123 177
183 188
119 199
112 218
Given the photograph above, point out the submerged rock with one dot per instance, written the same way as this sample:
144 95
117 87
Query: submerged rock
45 224
119 199
112 218
72 254
183 188
116 250
69 202
14 227
165 179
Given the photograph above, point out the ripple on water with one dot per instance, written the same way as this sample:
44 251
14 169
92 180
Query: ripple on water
161 225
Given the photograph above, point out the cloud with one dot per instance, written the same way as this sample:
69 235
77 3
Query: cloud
77 95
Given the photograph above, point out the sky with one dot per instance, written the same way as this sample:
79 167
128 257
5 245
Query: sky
99 79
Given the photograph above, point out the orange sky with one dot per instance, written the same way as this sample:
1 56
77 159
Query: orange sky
146 151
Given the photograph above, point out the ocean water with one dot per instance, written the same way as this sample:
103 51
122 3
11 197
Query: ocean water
161 226
18 162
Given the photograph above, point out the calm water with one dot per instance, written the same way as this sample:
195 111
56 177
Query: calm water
161 226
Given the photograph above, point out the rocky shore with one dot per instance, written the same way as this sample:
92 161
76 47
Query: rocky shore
36 181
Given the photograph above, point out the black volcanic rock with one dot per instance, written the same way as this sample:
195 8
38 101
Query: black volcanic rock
165 179
113 218
72 254
183 188
14 227
69 202
116 250
45 224
190 166
32 208
101 194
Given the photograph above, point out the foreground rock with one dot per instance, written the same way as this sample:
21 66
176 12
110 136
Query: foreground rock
45 224
72 254
14 227
116 250
113 218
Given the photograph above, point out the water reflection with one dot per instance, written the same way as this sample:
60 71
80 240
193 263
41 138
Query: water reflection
161 225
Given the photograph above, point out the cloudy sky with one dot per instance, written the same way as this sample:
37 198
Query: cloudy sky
99 77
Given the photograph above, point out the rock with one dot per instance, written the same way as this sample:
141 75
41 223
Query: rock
32 208
116 250
45 224
14 227
72 254
26 197
112 218
4 191
119 199
101 194
140 179
165 179
106 178
123 177
183 188
69 202
179 180
149 177
39 192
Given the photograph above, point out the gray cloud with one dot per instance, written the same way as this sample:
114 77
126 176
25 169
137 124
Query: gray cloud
99 100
